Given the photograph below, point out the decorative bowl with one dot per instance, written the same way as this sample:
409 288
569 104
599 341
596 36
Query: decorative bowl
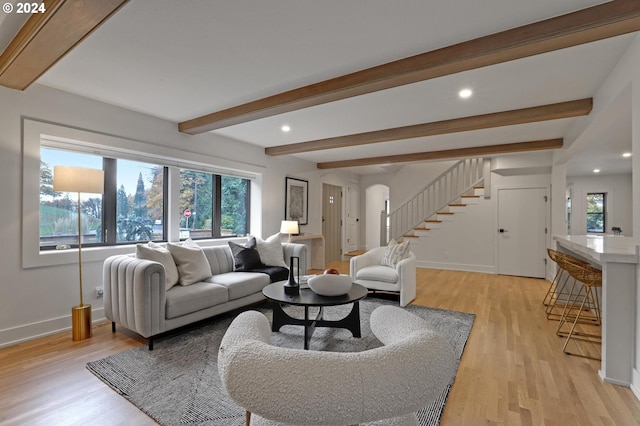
330 284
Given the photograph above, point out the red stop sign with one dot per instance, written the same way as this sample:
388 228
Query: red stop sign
187 213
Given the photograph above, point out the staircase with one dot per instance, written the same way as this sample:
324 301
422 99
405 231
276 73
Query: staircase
447 214
451 192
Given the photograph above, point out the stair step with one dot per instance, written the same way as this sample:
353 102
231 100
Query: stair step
470 199
445 216
457 207
409 236
433 223
478 190
421 231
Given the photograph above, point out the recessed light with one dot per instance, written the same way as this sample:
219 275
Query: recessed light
596 170
285 128
626 154
465 93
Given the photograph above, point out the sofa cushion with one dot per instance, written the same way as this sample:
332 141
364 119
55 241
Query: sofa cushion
270 251
220 258
378 273
276 273
191 262
240 284
157 253
245 257
183 300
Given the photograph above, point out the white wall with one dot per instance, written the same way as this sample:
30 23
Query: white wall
619 209
37 301
376 195
412 178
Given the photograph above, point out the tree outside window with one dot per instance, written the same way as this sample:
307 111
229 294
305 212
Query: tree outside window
596 207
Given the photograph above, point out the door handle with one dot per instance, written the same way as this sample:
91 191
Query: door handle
502 231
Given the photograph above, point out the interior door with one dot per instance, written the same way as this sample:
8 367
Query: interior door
353 213
522 232
332 222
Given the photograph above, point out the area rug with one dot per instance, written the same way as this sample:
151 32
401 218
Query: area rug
178 384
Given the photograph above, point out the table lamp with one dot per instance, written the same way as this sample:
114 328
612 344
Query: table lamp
289 227
80 180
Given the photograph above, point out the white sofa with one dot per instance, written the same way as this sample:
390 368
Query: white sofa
282 386
135 295
366 270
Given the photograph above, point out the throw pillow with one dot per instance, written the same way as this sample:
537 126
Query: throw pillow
270 251
191 262
157 253
245 258
395 253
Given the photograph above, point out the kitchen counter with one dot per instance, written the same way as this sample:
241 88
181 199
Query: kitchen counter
618 257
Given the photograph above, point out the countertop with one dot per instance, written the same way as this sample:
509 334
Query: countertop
601 248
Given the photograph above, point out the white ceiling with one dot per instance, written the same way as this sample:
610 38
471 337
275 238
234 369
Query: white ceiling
178 60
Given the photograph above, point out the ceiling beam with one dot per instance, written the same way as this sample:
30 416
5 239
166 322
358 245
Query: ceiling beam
584 26
47 37
479 151
485 121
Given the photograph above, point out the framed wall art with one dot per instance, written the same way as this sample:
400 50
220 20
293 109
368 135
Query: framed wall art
296 200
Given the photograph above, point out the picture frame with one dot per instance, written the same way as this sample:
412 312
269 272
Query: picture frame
296 200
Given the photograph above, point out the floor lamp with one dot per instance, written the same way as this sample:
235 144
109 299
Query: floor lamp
80 180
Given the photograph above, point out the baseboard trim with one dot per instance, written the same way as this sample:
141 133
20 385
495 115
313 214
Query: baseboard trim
635 382
23 333
456 267
613 381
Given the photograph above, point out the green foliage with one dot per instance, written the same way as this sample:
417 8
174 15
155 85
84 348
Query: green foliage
134 229
234 207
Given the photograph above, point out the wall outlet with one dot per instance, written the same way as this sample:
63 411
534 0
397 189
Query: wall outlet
99 291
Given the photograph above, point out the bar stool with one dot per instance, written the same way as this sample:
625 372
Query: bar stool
555 256
583 307
562 287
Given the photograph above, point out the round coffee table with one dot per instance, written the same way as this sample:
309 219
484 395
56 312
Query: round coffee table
307 298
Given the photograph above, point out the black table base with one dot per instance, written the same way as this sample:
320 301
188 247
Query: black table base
351 322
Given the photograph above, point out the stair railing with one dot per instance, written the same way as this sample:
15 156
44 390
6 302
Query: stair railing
435 196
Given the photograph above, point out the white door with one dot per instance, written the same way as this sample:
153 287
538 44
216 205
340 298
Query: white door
353 216
522 232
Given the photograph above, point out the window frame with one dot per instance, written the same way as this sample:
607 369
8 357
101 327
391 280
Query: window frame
603 213
88 141
216 207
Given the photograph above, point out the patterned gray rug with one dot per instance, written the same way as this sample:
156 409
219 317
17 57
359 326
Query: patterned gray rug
177 383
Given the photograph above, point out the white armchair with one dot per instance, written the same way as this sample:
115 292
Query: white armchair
283 386
366 270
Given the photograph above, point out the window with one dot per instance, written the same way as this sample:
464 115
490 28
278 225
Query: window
131 209
59 210
213 206
596 210
139 202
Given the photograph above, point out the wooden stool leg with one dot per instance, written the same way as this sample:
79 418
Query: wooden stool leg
247 416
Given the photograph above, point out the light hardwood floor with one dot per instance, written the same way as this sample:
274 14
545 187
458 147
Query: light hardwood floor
513 371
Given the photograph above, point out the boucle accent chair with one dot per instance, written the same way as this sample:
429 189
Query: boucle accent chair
282 386
368 271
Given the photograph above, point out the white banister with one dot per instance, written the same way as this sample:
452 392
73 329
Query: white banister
435 196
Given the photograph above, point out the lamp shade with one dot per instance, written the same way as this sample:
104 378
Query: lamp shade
289 227
78 179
